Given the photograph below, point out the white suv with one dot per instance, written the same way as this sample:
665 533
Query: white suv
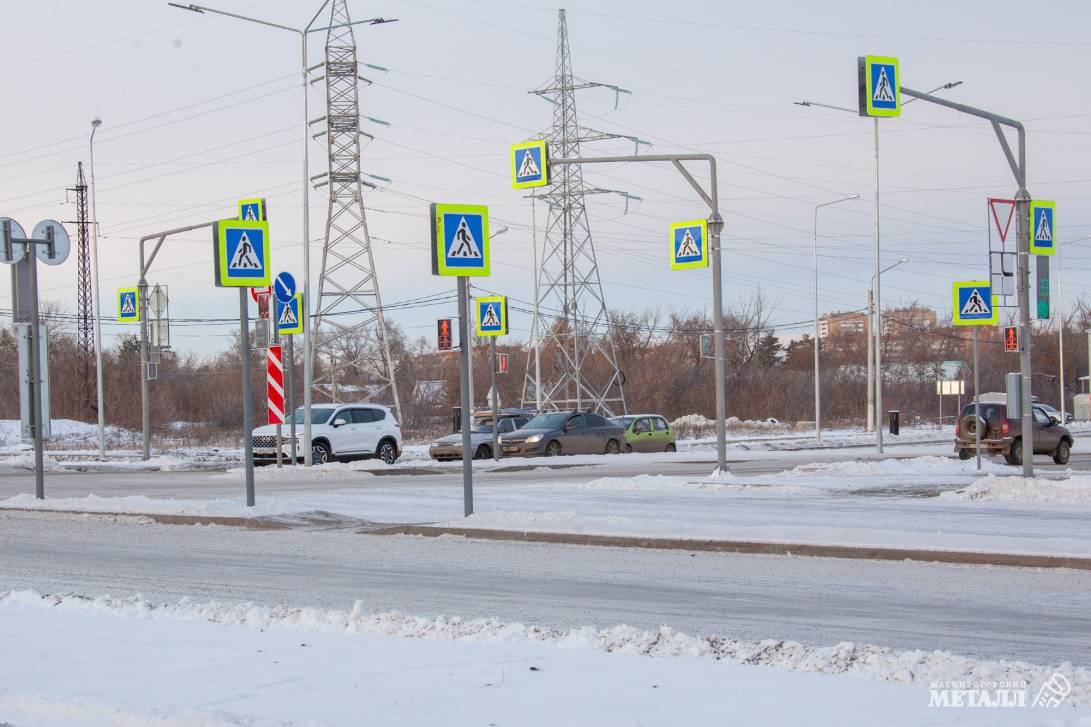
338 432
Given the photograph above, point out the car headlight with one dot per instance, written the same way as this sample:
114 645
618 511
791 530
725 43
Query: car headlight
534 438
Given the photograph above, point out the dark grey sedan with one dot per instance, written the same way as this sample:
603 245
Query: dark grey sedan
564 432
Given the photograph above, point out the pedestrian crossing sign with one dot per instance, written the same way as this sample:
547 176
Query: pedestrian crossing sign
128 305
1043 226
974 304
492 316
880 86
460 240
252 210
241 253
529 164
290 315
689 245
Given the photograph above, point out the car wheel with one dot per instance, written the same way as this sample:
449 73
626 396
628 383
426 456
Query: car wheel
1063 450
671 447
388 451
628 449
320 453
612 447
965 454
1015 454
483 451
553 449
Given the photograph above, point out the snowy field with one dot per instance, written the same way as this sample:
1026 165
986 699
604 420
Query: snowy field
246 664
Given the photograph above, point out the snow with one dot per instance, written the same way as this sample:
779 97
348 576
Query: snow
253 664
1075 489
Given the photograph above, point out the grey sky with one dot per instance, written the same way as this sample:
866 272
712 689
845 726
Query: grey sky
717 77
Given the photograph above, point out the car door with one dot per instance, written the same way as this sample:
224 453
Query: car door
574 438
642 435
366 426
1046 435
661 434
341 437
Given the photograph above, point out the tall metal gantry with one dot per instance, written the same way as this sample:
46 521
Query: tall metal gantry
85 314
573 339
350 337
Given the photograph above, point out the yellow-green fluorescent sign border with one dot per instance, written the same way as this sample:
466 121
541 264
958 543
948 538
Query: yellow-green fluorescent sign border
687 262
1043 208
539 154
246 204
481 303
451 265
224 277
958 303
890 109
133 317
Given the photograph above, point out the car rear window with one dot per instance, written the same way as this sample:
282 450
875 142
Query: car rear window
991 413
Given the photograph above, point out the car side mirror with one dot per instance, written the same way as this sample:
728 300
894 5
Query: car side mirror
569 426
339 422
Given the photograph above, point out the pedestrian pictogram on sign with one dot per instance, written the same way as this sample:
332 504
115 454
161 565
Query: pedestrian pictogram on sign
1043 227
879 86
460 240
974 304
492 316
252 210
1011 339
290 316
128 305
443 334
689 245
530 164
241 253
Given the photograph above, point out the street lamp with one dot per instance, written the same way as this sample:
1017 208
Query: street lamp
878 354
308 353
817 335
95 123
872 344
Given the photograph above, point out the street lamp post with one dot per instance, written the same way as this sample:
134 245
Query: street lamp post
873 333
817 336
95 123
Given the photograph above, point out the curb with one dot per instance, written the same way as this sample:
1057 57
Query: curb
163 519
963 557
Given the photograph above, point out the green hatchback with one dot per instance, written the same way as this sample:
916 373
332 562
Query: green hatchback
646 433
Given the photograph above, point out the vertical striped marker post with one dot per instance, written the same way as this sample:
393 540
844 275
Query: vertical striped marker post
274 387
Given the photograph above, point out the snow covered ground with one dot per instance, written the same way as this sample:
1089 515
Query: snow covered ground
101 662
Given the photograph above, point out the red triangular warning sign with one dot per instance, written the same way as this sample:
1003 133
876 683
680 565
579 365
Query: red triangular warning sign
1002 212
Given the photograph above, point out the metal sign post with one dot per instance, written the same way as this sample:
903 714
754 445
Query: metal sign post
49 243
247 426
977 396
460 248
495 406
291 397
974 304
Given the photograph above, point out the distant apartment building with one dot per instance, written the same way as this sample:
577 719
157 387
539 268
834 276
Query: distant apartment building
898 322
832 325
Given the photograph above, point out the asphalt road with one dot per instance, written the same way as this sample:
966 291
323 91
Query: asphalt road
1042 616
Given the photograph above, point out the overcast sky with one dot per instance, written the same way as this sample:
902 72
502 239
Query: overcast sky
199 111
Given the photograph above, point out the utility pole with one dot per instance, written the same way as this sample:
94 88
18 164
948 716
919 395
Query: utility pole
85 303
870 361
100 404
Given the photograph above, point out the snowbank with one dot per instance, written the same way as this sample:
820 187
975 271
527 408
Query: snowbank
865 661
1076 489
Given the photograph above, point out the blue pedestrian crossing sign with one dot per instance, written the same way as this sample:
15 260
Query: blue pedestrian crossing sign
128 305
241 253
460 240
284 287
529 164
290 315
252 210
974 304
492 316
1043 227
880 86
689 245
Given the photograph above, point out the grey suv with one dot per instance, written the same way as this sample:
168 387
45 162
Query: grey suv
1001 434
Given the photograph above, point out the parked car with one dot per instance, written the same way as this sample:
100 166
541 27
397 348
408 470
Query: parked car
564 432
450 447
1000 434
646 433
1056 414
339 432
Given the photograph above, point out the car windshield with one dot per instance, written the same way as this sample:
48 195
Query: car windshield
318 416
481 426
555 420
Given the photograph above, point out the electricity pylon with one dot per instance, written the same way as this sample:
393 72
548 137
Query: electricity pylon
351 347
573 333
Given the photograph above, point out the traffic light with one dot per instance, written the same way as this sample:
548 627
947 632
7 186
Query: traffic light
1043 287
1011 339
501 363
443 334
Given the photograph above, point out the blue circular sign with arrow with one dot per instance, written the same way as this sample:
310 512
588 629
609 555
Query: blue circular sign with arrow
284 287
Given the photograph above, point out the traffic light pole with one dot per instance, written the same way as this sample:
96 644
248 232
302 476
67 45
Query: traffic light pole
464 395
715 227
1018 163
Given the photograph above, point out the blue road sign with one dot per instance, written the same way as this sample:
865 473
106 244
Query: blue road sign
973 304
880 86
284 287
242 253
689 245
530 164
289 318
1043 227
460 240
492 316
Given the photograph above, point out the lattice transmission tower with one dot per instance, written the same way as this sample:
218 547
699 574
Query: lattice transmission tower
573 335
351 350
85 324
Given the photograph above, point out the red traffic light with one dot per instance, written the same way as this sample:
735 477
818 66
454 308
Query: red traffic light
443 334
1011 339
